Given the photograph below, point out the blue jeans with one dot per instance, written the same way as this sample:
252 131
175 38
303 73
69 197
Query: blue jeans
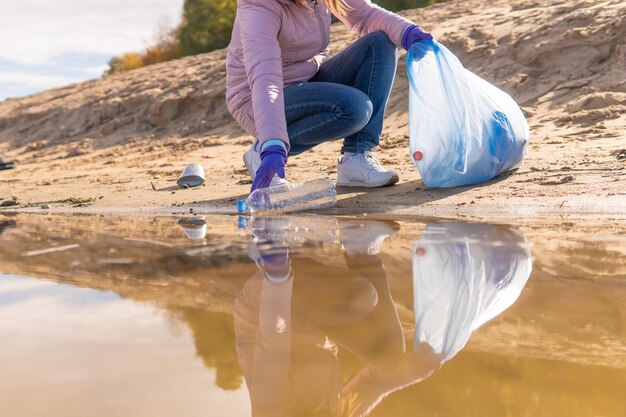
345 99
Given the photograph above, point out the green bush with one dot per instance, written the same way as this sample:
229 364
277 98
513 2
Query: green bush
206 25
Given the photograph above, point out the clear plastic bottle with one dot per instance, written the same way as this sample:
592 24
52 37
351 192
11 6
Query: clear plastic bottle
311 195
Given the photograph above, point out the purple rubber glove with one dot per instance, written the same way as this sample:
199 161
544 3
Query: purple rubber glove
273 160
414 34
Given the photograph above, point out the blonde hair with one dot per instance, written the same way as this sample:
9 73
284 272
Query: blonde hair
337 7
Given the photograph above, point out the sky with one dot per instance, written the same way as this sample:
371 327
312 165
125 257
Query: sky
52 43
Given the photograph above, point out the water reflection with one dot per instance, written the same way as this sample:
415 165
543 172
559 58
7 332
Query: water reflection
306 315
6 225
464 275
193 227
295 314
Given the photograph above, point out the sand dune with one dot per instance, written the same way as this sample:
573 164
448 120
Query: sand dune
563 61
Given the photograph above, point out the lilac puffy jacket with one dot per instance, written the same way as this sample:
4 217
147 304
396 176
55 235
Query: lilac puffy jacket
276 43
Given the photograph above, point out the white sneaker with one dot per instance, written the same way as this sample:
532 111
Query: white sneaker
364 237
252 160
363 170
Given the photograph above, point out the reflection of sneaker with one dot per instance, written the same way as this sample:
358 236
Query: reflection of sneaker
364 237
252 159
363 170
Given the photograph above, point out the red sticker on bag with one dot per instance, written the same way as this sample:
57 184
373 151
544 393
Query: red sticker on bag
418 155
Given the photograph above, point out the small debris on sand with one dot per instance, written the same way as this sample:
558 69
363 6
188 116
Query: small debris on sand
50 250
78 201
564 180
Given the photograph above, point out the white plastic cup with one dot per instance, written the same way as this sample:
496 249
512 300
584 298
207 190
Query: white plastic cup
192 176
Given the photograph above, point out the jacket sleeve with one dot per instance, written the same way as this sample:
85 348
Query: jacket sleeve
259 24
365 17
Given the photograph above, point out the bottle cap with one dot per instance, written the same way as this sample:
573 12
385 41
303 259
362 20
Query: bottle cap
242 222
242 206
417 155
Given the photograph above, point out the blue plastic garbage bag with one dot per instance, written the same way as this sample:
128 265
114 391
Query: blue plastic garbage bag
463 130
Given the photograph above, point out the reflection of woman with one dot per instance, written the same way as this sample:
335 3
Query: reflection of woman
292 316
283 375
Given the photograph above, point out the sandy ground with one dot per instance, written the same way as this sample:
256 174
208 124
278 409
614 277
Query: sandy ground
98 146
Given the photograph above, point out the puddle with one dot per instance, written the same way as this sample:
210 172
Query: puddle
309 316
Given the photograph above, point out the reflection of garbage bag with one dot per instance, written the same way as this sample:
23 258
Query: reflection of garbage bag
463 276
463 129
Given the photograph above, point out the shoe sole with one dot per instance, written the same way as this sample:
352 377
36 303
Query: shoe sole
390 181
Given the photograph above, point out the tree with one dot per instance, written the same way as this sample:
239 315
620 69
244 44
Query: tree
164 47
207 25
126 62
